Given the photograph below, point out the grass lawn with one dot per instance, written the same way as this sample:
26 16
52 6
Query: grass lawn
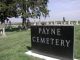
77 42
13 47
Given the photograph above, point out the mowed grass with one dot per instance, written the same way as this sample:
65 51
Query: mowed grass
14 46
77 42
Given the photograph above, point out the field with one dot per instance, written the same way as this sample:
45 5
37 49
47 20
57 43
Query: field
14 46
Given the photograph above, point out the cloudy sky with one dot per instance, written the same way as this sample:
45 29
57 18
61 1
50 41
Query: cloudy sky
70 9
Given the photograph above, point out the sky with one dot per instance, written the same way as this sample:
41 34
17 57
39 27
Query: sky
70 9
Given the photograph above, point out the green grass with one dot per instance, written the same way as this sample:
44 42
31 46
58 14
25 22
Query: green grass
77 42
13 47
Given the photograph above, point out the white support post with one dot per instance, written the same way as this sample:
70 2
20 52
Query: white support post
69 22
61 22
77 23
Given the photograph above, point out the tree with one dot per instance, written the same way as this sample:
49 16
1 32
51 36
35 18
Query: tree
7 9
32 8
23 8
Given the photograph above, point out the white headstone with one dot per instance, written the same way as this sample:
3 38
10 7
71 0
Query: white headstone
2 30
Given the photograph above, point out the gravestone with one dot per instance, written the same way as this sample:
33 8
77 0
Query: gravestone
2 30
53 41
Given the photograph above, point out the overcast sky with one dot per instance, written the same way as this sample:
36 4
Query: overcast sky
70 9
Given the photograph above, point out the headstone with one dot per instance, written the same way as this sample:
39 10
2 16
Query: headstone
2 30
53 41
